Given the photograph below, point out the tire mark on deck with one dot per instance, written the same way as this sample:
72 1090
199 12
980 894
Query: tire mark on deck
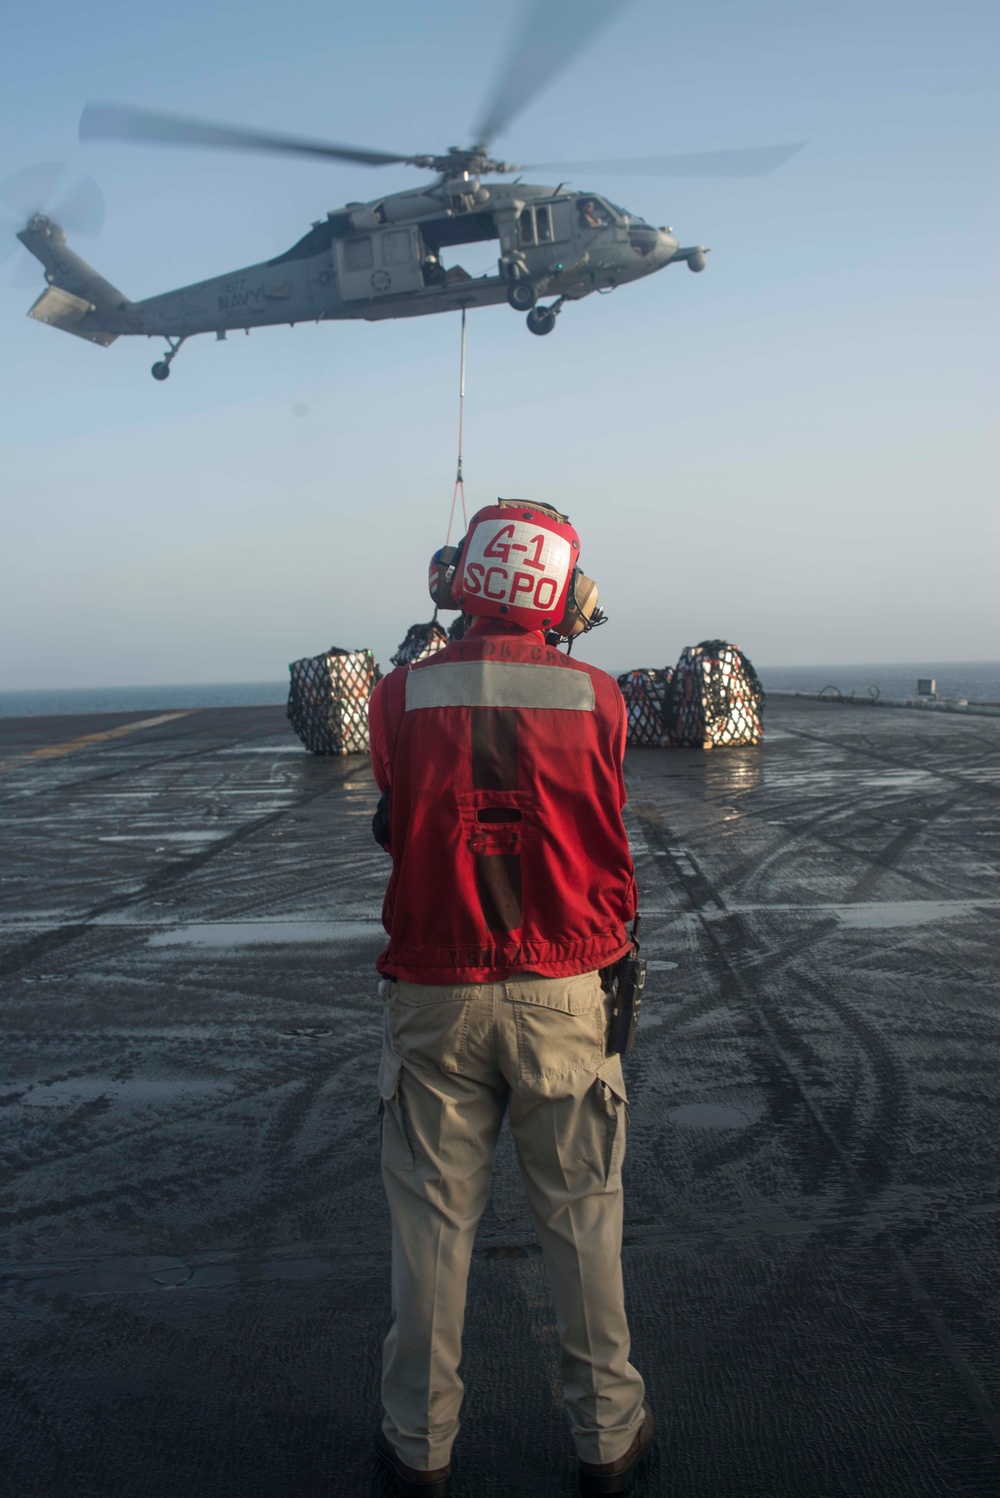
44 944
734 931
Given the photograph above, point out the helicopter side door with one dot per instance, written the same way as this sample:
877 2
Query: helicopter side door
545 232
543 224
384 262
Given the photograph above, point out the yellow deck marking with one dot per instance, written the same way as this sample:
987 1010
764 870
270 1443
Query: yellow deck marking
54 751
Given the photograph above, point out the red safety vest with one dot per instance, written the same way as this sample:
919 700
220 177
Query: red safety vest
503 760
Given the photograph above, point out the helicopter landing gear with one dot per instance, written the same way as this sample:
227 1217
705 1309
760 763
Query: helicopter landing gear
542 320
161 369
521 295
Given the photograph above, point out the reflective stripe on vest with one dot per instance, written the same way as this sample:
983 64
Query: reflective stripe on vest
499 684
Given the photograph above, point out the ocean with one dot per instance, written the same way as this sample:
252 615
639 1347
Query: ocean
975 681
25 704
971 681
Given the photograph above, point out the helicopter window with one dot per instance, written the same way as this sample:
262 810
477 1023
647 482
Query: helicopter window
395 246
562 221
593 214
543 225
358 253
642 239
527 226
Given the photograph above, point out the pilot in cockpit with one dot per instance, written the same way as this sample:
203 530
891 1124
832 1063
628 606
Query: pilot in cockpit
592 214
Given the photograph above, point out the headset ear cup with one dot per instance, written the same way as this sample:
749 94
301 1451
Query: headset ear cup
451 575
581 605
442 571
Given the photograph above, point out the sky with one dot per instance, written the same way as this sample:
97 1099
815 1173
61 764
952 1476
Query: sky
795 450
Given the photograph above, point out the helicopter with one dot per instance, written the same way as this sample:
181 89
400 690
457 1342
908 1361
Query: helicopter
385 258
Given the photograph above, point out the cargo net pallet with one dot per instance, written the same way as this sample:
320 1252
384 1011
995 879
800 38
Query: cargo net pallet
713 696
421 641
645 692
328 700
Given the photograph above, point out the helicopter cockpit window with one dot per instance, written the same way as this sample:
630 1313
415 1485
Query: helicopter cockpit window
395 246
358 253
593 214
543 224
526 226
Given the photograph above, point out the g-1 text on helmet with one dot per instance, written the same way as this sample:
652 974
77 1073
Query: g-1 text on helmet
516 564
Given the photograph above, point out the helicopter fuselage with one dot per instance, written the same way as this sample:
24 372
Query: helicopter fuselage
382 259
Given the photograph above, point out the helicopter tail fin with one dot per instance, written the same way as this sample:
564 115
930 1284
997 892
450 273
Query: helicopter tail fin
77 299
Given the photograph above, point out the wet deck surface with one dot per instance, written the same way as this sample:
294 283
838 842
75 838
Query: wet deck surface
195 1282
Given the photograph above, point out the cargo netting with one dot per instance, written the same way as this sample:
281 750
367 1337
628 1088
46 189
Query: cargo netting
645 692
715 698
328 700
421 641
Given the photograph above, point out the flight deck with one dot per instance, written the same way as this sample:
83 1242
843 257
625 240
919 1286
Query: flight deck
195 1244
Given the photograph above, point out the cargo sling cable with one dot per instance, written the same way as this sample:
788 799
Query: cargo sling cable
459 481
423 640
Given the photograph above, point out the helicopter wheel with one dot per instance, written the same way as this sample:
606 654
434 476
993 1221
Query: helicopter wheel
160 370
521 295
541 321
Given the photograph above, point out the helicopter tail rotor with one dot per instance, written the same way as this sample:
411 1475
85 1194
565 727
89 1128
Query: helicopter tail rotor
76 299
49 190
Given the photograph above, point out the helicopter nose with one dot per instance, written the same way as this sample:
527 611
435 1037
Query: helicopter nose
666 245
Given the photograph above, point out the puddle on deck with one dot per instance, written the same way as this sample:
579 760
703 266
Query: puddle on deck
203 835
264 933
76 1092
883 915
264 749
29 1288
713 1116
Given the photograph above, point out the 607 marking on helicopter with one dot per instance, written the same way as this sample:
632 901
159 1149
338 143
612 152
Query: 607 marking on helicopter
386 258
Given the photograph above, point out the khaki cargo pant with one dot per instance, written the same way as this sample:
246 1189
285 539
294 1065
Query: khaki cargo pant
454 1058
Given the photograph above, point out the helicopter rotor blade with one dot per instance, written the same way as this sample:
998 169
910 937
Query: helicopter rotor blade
80 207
29 190
26 272
549 37
124 122
744 161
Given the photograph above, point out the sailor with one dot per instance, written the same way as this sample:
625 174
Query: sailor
431 269
591 214
500 764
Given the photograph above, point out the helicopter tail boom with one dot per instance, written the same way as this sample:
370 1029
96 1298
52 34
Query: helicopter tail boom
77 299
